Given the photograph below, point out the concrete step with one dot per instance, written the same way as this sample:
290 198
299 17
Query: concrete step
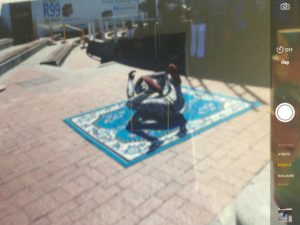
57 57
14 55
6 43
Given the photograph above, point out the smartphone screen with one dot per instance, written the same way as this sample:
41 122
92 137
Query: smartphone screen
149 112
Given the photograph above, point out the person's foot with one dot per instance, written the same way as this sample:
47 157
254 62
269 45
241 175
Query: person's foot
182 132
154 146
131 74
2 88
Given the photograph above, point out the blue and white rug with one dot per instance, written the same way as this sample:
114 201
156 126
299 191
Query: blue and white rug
111 129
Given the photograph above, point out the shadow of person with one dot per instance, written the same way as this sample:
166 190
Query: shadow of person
148 127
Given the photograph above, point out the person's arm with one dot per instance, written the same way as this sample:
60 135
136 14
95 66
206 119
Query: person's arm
153 84
130 86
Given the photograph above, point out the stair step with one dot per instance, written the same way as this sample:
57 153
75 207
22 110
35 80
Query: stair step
57 57
12 56
6 43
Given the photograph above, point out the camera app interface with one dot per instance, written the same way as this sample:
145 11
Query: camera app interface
149 112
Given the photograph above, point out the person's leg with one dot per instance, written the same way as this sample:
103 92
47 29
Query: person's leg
154 108
201 40
130 85
136 103
130 88
157 108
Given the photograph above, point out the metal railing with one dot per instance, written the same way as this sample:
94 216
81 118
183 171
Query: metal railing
113 24
64 27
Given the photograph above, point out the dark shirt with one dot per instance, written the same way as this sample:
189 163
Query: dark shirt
199 11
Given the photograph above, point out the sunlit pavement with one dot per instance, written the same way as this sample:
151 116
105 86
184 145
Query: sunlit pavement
50 175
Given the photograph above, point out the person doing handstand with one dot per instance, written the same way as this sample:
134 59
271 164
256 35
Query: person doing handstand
157 96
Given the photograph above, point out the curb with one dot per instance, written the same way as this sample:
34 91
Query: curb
6 44
14 61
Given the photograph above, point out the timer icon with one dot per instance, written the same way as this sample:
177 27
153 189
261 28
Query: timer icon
280 49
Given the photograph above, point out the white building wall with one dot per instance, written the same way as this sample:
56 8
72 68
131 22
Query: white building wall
46 12
50 12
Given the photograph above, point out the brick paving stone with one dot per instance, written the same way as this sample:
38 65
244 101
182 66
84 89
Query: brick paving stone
224 187
18 218
149 206
168 208
87 160
4 191
206 177
204 165
185 158
205 197
148 168
180 165
27 179
132 197
169 191
8 207
62 210
130 180
163 158
174 171
27 196
42 221
82 210
236 183
223 163
130 219
191 214
222 152
77 186
161 176
107 214
98 194
148 186
155 219
63 221
95 175
187 178
107 169
90 219
97 161
40 208
113 180
56 180
113 211
61 195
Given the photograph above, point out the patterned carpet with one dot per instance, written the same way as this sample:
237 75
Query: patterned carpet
120 133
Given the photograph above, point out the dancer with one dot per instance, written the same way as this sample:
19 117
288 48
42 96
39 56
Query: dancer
156 96
159 104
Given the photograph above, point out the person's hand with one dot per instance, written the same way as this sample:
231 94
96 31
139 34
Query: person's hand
131 74
144 86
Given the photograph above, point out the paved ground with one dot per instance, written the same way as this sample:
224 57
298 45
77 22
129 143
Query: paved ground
50 175
244 210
